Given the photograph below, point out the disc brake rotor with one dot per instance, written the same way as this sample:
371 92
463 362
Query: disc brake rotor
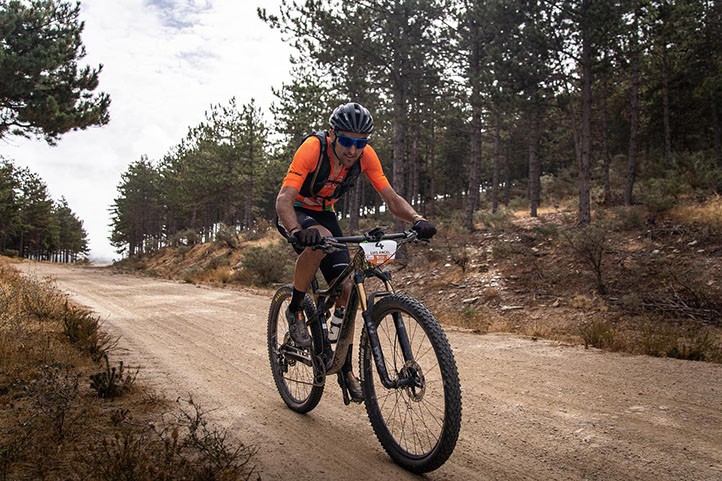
412 370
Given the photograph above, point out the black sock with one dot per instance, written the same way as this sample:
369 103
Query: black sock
296 301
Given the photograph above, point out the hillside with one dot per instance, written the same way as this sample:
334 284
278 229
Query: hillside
655 289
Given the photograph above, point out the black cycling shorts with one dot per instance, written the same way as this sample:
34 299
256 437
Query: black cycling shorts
334 263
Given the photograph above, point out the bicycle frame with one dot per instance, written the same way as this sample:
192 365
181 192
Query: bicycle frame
324 299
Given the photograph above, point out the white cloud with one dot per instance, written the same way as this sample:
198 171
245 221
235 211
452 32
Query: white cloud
164 63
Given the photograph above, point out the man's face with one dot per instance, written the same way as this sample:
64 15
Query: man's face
349 146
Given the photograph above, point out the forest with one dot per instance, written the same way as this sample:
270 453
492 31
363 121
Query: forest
32 224
478 105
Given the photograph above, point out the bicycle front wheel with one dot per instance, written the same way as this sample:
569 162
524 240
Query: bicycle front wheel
292 367
418 425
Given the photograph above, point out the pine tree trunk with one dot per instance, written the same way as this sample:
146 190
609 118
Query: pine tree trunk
665 113
472 200
414 174
634 127
585 215
354 200
507 176
496 165
717 134
606 155
432 168
248 211
534 168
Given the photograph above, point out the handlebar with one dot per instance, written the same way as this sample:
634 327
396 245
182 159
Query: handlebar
374 235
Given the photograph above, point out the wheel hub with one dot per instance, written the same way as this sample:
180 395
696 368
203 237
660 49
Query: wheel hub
417 388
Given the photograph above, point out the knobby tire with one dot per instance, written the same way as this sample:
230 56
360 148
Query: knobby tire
418 429
296 384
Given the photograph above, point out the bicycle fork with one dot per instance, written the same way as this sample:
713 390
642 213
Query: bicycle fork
401 333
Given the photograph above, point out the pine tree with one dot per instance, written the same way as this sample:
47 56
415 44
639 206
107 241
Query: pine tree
43 92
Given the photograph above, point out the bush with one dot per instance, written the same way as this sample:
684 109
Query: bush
629 217
598 333
83 330
227 235
265 265
181 447
54 396
661 194
590 244
498 220
700 172
187 237
112 382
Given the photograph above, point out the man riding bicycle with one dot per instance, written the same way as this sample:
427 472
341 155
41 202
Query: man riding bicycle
305 208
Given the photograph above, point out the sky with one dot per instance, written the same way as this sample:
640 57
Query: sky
165 62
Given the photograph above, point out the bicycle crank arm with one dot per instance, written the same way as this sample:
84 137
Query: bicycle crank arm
297 355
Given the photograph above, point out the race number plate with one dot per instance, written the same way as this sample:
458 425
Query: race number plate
378 253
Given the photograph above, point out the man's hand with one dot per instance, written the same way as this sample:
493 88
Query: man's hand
309 237
424 229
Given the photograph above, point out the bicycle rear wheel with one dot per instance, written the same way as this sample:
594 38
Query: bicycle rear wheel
418 426
292 367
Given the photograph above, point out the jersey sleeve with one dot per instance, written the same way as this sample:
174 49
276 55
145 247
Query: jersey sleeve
304 161
371 167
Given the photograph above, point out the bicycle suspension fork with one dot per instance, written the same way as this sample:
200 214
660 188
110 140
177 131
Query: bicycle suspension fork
401 333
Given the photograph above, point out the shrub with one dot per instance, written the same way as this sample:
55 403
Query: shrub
83 330
187 237
54 395
227 235
265 265
549 231
498 220
700 172
112 382
589 244
598 333
660 194
629 217
180 447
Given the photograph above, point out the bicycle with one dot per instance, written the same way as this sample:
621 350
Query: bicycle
413 397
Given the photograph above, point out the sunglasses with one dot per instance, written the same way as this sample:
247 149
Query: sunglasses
346 142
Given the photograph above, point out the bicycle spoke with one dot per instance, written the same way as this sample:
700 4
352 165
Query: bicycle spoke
293 377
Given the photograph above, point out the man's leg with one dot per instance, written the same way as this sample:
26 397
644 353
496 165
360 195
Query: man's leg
306 266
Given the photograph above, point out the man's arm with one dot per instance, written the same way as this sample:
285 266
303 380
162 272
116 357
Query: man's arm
284 208
398 206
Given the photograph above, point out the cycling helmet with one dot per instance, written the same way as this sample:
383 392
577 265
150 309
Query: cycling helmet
352 117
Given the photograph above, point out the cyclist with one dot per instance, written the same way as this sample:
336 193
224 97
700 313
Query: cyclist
305 208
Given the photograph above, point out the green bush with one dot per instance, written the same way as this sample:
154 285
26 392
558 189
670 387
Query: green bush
498 220
699 172
227 235
266 265
629 217
187 237
660 194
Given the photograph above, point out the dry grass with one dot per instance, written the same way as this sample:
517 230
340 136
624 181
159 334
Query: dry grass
53 422
708 213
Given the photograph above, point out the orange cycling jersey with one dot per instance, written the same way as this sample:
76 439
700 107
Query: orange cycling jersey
305 161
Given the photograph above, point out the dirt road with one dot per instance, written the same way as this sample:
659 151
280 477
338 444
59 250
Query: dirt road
531 410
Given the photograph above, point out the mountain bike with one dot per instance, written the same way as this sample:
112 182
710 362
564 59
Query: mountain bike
407 370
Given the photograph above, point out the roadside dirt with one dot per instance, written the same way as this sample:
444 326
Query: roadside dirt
531 409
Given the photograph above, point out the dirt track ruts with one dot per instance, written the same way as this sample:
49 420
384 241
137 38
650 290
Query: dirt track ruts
531 410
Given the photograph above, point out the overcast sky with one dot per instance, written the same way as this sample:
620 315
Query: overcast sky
164 63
